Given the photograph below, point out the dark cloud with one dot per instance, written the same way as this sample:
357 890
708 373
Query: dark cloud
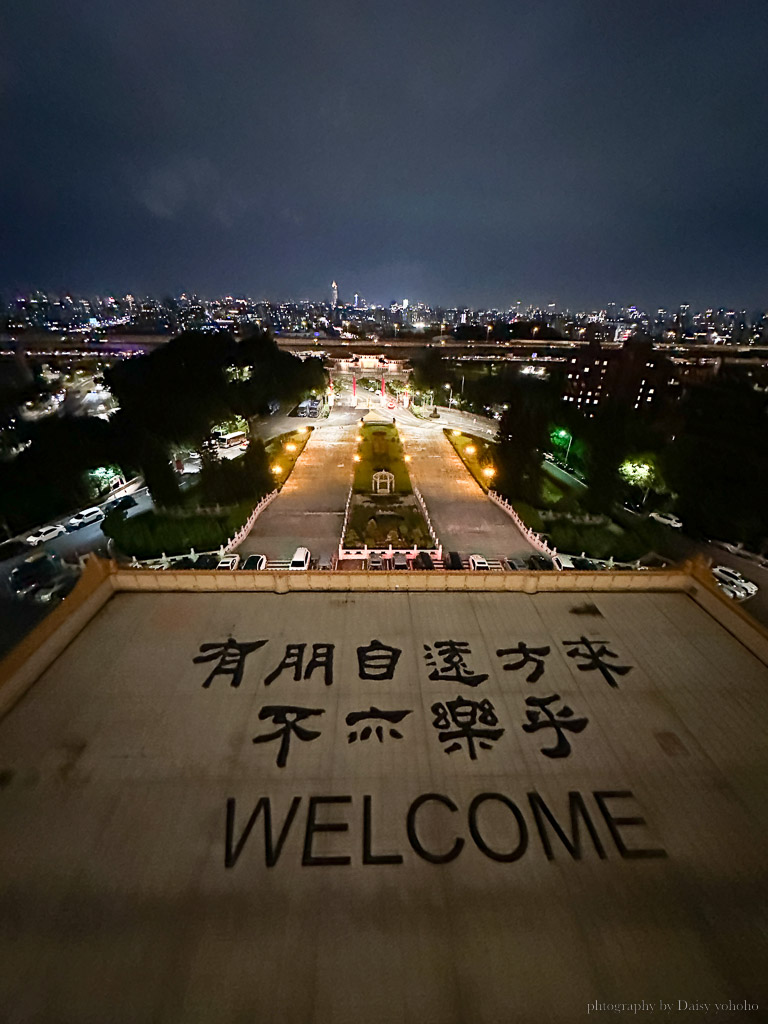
569 150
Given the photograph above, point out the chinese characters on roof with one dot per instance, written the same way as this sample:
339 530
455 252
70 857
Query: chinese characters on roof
466 724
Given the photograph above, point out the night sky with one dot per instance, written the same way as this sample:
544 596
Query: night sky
455 153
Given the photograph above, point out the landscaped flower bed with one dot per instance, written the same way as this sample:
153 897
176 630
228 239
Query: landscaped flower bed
379 447
383 520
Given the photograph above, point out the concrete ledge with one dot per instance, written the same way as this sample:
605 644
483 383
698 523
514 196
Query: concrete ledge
401 581
100 580
732 617
40 648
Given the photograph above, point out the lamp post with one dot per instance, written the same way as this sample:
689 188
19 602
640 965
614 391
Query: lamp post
450 393
563 434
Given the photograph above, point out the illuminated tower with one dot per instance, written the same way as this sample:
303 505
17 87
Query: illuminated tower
334 294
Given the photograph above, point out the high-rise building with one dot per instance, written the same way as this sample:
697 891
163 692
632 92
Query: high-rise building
334 294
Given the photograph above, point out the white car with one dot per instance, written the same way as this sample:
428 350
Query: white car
667 519
733 591
724 574
230 562
45 533
477 563
85 518
301 559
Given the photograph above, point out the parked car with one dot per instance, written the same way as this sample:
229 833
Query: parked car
423 561
57 588
540 561
120 504
229 562
254 563
184 563
453 560
85 518
39 570
478 563
561 562
45 533
582 563
374 560
515 564
667 519
724 574
325 563
301 559
206 561
399 561
732 590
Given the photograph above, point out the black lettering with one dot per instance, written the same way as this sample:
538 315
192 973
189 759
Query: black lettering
481 844
612 822
309 859
368 856
271 853
573 845
413 839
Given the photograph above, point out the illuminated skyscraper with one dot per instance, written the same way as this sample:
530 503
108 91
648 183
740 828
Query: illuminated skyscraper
334 294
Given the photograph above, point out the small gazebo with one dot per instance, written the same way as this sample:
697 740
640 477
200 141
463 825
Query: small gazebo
383 482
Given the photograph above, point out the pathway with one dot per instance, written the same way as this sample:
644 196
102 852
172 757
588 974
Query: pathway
309 511
464 518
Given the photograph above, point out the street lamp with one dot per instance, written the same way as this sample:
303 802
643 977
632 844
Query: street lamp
450 393
562 434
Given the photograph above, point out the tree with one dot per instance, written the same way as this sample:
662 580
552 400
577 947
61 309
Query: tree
523 435
718 462
607 445
429 369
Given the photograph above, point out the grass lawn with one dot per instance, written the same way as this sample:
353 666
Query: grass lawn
380 447
477 454
552 492
155 532
284 450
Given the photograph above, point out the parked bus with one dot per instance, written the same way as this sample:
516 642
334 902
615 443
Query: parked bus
232 440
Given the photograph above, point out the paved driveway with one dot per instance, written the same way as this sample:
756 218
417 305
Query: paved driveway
464 517
309 510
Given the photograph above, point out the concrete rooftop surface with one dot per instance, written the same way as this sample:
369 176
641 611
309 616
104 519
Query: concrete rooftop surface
455 808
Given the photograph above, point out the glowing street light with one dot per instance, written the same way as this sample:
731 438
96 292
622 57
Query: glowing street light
489 472
356 457
277 470
290 447
562 434
470 449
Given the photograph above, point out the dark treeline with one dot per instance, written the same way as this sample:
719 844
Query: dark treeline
704 455
168 398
